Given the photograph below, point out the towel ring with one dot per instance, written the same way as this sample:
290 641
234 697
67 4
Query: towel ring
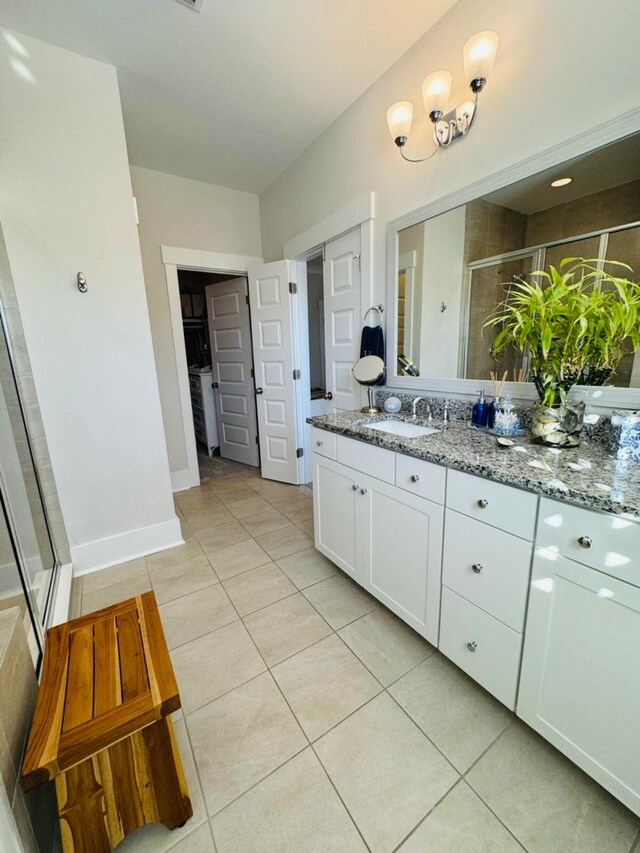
379 308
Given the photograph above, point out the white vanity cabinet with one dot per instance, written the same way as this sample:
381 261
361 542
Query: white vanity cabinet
488 543
580 680
384 536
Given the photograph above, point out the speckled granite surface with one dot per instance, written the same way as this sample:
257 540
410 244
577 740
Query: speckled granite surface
586 475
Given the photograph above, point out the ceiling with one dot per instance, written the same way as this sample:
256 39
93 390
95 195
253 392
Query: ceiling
231 95
598 170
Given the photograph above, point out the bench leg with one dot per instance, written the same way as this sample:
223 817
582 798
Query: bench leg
136 781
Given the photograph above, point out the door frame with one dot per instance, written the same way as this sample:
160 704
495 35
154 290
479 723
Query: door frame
302 248
175 258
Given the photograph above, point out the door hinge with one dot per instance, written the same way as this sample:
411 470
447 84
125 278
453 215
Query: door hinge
296 374
324 252
253 373
257 440
359 259
246 298
299 452
293 287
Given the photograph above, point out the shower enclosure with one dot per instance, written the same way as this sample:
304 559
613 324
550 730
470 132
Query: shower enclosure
28 564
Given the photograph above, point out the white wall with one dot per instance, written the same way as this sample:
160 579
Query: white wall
189 214
545 88
65 205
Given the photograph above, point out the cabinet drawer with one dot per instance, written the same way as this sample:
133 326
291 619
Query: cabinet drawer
323 442
605 542
495 659
488 567
368 458
493 503
421 478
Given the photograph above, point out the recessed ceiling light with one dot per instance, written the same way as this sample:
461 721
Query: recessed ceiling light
561 182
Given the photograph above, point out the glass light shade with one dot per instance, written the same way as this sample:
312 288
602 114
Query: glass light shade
436 89
479 55
400 118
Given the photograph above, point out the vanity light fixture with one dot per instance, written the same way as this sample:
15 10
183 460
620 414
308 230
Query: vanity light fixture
561 182
479 56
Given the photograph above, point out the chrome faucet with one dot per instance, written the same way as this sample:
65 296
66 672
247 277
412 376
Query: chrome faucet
414 413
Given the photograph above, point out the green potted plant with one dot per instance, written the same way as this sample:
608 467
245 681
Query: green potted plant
571 319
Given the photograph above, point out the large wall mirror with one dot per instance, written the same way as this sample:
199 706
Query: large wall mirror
451 271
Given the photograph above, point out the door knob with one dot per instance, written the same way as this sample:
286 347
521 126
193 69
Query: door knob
328 395
585 541
319 443
355 487
415 478
483 503
259 391
472 646
363 491
477 568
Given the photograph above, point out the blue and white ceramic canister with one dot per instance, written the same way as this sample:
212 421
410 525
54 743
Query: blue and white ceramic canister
624 435
392 405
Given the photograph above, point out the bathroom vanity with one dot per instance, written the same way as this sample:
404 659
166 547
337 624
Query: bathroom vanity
522 566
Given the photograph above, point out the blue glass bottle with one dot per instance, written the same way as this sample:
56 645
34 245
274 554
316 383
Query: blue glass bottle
479 413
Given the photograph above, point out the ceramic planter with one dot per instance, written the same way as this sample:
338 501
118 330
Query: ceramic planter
558 426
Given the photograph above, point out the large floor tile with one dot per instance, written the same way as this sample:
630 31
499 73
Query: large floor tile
221 537
235 559
308 528
265 522
258 587
215 663
386 645
114 574
198 613
240 738
323 684
301 511
455 713
283 542
208 519
108 595
173 556
155 838
340 600
172 581
386 771
546 801
200 841
461 823
286 627
307 567
248 506
293 809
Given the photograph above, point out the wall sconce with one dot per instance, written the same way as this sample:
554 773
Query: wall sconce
479 56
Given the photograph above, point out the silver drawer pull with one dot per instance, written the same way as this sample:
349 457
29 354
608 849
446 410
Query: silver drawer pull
363 491
483 503
355 487
585 541
477 568
472 646
415 478
319 443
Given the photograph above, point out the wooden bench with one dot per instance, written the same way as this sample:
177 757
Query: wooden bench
101 727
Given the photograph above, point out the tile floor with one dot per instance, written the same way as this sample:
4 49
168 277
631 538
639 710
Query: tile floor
314 720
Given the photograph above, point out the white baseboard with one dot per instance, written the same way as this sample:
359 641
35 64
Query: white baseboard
62 599
125 546
184 479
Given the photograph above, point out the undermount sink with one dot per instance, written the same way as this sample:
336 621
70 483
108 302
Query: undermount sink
402 428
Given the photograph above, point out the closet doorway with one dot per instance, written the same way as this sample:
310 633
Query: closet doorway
217 336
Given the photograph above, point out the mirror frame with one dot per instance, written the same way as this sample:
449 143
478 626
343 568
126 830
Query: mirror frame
598 137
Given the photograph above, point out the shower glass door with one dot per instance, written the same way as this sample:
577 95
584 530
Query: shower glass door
25 540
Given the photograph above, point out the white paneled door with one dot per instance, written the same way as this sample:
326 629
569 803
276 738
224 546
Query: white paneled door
342 319
273 329
232 364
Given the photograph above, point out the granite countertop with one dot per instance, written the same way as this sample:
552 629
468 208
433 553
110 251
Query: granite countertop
585 475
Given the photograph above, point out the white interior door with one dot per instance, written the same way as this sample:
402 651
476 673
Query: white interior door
232 364
273 327
341 319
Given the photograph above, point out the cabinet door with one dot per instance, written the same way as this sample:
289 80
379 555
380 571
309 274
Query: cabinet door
402 544
579 685
334 506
